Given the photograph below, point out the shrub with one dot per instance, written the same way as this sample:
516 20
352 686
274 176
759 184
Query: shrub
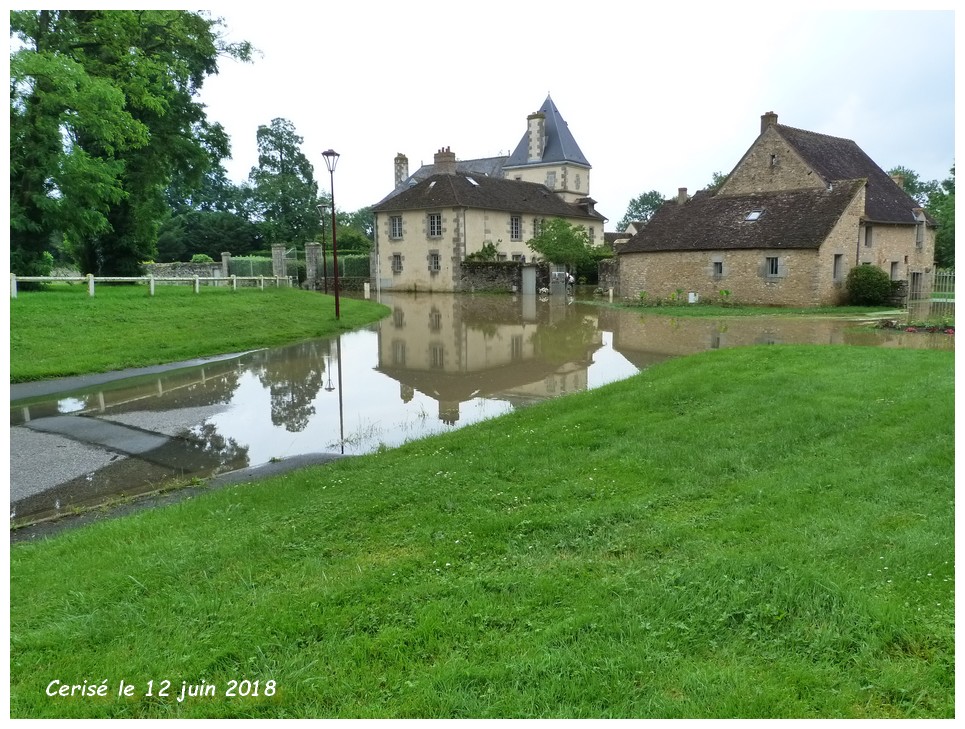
868 286
201 258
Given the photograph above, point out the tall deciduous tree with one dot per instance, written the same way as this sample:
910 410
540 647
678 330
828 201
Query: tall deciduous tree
561 242
103 117
941 206
641 209
912 183
283 186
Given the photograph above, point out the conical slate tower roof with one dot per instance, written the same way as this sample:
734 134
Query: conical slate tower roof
560 144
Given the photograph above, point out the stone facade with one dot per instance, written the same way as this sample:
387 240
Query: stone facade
805 257
183 270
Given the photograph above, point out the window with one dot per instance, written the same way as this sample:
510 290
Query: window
551 180
435 320
398 317
836 269
537 226
718 269
516 347
515 227
754 215
436 356
772 266
500 256
398 352
395 227
434 262
435 225
894 270
577 182
518 257
919 233
867 236
396 263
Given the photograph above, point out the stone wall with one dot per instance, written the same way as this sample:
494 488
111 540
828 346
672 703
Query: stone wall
608 271
183 270
501 276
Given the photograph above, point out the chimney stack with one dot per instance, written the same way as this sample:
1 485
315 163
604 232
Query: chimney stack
536 131
767 120
445 162
401 169
899 180
681 195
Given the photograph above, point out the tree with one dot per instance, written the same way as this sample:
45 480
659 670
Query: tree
210 232
717 179
283 186
911 183
941 206
641 209
562 242
103 118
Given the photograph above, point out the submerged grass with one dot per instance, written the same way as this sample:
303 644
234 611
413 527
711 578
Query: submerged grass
62 331
760 532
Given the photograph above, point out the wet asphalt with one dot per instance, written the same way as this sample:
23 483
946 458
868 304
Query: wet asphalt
58 452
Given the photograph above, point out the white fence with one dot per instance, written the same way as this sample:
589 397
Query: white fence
90 280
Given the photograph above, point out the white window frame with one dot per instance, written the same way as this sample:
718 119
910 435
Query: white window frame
434 225
515 227
395 227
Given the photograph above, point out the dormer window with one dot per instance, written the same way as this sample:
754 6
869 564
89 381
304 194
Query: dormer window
754 215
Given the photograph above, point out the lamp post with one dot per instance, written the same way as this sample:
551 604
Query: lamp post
331 159
321 212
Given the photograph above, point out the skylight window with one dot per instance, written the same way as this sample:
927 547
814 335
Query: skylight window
754 215
473 181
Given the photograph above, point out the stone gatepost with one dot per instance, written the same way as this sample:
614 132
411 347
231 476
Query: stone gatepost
279 267
313 253
225 260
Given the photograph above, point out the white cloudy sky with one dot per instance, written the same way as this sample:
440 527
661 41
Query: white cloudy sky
656 99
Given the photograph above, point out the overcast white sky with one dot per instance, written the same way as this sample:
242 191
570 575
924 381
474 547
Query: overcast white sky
656 99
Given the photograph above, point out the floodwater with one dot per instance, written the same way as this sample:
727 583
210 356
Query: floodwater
437 362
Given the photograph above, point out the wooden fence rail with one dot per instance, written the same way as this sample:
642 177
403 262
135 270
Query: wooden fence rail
90 280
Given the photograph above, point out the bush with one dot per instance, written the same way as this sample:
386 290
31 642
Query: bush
201 258
868 286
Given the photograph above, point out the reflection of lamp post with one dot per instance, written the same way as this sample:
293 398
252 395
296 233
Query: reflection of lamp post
331 159
321 212
328 371
341 419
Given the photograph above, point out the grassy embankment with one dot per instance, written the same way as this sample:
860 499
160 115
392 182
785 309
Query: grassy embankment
62 331
760 532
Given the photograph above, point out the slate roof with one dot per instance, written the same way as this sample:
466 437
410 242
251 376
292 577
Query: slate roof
488 193
836 158
488 166
790 219
560 144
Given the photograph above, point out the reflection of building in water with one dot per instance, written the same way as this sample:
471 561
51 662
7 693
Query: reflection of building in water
455 348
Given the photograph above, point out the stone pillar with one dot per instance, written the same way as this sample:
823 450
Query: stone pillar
313 253
225 260
279 268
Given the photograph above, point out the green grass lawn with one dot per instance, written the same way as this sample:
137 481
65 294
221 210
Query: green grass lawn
62 331
756 532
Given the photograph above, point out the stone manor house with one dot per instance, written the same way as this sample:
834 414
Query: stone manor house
798 211
434 218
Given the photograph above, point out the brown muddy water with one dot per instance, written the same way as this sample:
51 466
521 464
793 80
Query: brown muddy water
438 362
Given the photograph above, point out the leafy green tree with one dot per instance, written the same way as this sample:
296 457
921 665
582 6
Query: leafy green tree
208 232
641 209
561 242
283 187
362 220
911 183
351 240
103 117
941 206
716 181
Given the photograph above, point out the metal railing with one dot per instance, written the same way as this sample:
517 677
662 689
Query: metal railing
91 280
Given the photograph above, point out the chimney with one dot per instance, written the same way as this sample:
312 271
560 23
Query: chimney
445 162
681 195
767 120
536 131
401 169
899 180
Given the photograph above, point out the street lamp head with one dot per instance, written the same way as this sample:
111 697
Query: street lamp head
331 159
